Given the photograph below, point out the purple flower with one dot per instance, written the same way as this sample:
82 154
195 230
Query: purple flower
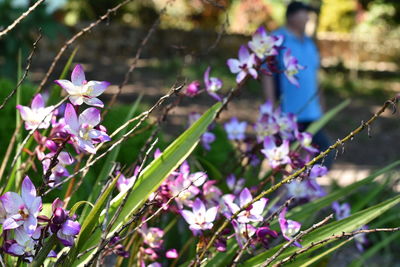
64 158
289 228
253 213
276 155
243 232
83 129
63 225
81 91
206 139
22 210
235 185
213 85
37 115
264 233
201 218
265 126
292 67
152 236
235 129
264 45
123 183
287 124
24 244
305 140
318 171
192 89
184 190
341 210
211 193
298 190
244 65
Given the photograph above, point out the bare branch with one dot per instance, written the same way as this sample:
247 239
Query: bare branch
21 18
28 65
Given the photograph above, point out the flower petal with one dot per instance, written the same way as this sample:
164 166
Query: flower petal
37 102
78 75
93 102
97 87
90 116
70 228
12 202
30 225
245 197
70 118
188 216
211 214
77 100
243 53
233 65
68 86
28 191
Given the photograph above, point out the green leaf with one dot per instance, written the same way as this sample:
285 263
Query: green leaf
47 247
348 224
92 219
109 162
155 173
77 205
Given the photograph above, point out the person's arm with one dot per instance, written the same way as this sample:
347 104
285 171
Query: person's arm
268 86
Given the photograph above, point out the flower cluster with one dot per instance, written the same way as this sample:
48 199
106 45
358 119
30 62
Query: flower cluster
24 226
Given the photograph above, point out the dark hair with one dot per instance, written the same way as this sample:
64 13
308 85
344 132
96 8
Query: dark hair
296 6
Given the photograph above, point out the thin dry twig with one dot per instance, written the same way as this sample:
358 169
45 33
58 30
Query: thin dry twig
20 18
28 65
74 38
331 238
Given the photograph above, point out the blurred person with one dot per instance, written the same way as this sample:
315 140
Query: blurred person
301 97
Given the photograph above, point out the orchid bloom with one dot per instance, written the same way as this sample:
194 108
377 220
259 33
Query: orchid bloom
65 226
253 213
171 254
201 218
22 210
289 228
213 84
152 236
277 155
58 171
265 126
305 140
123 183
235 185
82 129
23 244
244 65
81 91
243 232
292 67
206 139
37 116
341 210
235 129
264 45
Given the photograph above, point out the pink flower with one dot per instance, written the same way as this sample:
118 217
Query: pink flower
292 67
244 65
83 129
22 210
37 115
253 213
64 158
192 89
305 140
201 218
243 232
123 183
81 91
152 236
264 45
171 254
276 155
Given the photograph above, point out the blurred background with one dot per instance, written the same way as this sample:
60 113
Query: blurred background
358 42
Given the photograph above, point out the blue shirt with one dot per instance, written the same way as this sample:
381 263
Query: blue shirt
302 101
